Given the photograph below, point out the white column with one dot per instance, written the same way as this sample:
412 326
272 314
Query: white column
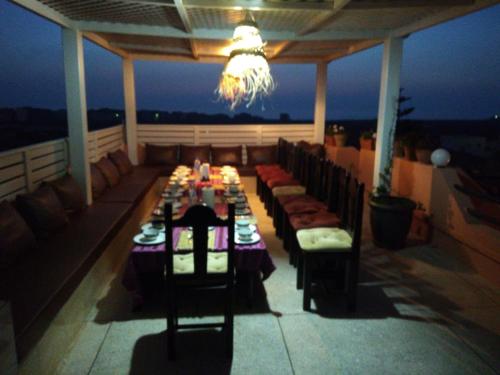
320 103
130 109
76 105
388 106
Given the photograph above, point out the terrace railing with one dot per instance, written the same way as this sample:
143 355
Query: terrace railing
23 169
223 135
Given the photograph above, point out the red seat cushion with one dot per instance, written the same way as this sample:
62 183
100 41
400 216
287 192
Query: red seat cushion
278 174
285 181
286 199
266 167
314 220
304 207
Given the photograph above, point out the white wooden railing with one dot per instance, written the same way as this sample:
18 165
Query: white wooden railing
220 135
223 135
23 169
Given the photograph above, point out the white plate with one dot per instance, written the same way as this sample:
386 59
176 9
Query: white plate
150 225
141 240
254 239
168 194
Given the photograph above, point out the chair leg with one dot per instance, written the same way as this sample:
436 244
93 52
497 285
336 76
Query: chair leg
300 270
352 285
306 303
171 327
229 323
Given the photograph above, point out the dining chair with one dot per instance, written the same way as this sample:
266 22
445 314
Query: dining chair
199 268
320 246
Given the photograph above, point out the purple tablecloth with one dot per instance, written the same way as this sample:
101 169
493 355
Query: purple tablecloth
149 259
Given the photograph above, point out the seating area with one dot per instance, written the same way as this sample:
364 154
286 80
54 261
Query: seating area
50 239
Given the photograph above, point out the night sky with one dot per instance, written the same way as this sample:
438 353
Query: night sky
451 71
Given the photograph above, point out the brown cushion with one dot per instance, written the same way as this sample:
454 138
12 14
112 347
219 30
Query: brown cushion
16 236
190 153
165 155
42 210
69 193
121 161
261 155
109 171
226 155
99 183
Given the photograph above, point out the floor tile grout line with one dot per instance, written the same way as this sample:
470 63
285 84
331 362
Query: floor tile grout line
286 346
99 349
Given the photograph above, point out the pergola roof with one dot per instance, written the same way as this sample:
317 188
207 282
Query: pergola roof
306 31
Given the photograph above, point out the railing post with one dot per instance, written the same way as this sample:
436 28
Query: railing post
76 104
28 173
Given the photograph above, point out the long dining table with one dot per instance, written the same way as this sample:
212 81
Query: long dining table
145 263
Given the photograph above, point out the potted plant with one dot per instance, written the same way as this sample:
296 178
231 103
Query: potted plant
340 135
390 216
409 140
329 139
421 225
367 140
423 150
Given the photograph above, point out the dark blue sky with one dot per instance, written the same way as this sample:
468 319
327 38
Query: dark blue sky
450 71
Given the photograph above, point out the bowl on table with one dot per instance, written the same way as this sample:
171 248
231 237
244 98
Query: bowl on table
150 233
245 234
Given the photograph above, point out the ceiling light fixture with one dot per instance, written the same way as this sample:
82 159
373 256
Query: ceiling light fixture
246 74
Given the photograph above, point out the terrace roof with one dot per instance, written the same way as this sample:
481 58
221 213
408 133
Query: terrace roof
296 31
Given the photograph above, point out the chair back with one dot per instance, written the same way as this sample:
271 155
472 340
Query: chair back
199 218
282 147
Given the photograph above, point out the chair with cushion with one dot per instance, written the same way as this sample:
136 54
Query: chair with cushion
321 246
200 269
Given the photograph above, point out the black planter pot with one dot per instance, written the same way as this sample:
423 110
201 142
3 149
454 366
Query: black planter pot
390 219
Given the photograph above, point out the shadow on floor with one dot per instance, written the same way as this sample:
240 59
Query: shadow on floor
198 352
117 304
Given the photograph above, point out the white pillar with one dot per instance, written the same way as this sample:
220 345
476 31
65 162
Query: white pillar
387 107
320 102
76 105
130 109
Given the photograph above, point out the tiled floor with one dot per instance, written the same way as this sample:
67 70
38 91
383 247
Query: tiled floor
420 312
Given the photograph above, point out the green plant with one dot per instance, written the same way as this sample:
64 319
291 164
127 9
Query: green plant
410 139
367 134
425 143
329 130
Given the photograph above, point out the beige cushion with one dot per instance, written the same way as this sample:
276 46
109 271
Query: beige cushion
324 239
288 190
216 263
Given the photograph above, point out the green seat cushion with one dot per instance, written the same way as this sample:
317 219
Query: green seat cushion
324 239
288 190
216 263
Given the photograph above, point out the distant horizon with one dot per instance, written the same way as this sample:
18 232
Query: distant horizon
232 114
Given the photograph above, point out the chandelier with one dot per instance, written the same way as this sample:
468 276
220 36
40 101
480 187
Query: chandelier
246 74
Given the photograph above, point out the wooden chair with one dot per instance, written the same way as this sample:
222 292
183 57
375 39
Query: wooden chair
200 269
321 245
